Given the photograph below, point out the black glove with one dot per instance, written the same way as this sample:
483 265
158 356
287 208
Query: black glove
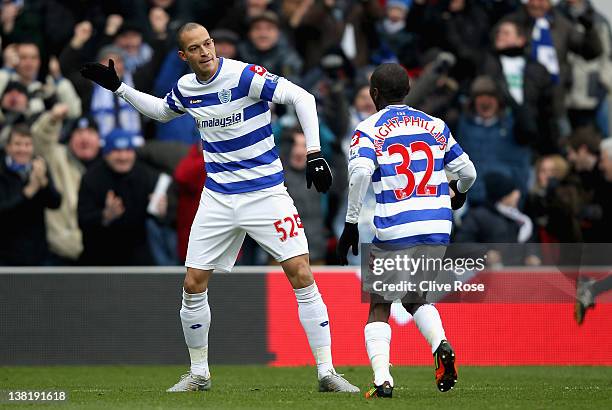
459 199
348 239
102 75
317 171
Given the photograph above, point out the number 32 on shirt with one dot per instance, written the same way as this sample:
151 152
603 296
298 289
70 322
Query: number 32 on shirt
422 189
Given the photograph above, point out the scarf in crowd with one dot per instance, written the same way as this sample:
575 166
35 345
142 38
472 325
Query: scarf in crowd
543 49
513 66
23 170
526 226
112 112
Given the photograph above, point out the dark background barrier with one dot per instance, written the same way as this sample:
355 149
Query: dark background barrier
103 318
131 316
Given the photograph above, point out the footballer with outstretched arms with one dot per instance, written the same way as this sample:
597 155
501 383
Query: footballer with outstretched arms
404 154
244 190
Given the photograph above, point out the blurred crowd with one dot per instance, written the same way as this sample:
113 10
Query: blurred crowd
524 86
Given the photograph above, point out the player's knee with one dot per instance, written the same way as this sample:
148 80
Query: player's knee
298 271
413 307
303 276
196 280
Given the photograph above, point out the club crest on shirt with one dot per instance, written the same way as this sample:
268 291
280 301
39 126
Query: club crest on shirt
225 96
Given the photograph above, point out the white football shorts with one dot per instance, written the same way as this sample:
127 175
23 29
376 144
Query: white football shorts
221 222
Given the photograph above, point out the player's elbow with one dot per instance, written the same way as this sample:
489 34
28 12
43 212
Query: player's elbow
467 177
304 98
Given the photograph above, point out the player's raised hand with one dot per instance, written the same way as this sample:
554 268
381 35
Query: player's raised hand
348 239
104 76
318 172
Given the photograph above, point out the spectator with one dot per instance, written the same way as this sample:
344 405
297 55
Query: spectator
164 157
26 189
55 89
142 59
238 18
434 91
553 202
583 153
552 37
591 81
605 190
190 176
110 111
226 42
397 43
307 202
10 58
136 52
492 137
499 220
330 24
21 20
71 58
113 200
13 108
165 17
266 47
460 27
144 69
525 84
67 163
362 108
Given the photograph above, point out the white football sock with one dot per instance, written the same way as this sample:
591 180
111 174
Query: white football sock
378 345
428 322
313 316
195 317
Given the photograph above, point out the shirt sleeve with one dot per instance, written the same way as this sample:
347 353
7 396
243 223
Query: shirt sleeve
157 108
173 100
269 87
362 153
454 157
262 84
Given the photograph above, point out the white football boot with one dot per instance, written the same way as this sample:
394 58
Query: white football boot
191 382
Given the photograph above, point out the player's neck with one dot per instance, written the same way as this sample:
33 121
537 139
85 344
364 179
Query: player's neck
206 76
382 104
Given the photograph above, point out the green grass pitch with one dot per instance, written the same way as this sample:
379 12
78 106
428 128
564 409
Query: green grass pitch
133 387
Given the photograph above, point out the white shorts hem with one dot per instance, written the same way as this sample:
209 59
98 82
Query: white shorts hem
215 267
291 255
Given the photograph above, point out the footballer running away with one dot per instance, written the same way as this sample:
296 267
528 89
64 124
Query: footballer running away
404 153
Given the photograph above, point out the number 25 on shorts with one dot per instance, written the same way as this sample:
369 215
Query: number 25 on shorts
290 222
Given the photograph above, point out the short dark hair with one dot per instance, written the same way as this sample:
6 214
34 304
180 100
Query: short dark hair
22 129
587 136
391 80
520 29
185 27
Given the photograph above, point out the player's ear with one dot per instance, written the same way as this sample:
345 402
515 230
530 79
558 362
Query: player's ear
182 55
374 95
